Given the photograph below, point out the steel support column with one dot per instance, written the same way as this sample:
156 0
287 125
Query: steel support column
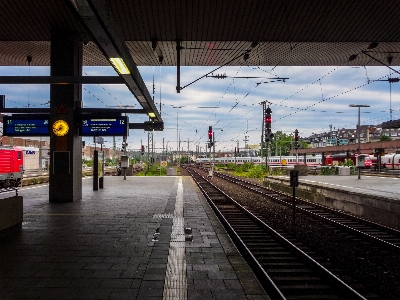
65 179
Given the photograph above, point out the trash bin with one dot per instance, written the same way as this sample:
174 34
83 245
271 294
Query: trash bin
344 171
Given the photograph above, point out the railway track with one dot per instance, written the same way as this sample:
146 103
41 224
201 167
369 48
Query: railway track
372 232
9 189
284 269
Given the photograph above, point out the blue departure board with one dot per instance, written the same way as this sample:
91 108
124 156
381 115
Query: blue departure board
104 126
30 125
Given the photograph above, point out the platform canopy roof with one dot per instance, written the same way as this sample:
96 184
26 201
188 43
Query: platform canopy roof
232 32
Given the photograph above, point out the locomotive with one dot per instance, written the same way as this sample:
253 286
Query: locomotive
340 158
11 167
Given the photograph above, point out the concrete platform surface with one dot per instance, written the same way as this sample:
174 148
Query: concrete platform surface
126 241
372 185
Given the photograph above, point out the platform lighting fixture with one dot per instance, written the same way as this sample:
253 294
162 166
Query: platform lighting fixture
373 45
119 64
352 57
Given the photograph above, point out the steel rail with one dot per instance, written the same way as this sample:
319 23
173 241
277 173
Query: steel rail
214 196
310 208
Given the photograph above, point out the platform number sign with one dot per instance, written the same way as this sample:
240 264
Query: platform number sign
104 126
30 125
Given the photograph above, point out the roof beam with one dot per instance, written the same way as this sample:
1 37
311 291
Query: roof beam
107 35
33 110
61 80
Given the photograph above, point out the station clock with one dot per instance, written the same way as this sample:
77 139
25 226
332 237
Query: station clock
60 128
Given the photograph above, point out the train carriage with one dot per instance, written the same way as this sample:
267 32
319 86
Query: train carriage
11 166
335 159
273 161
311 161
390 161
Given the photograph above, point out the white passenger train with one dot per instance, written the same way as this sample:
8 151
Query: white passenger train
312 161
390 161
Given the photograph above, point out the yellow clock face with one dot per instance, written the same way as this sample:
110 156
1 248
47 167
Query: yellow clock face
60 128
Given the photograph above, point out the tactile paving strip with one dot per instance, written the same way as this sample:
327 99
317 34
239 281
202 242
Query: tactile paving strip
175 285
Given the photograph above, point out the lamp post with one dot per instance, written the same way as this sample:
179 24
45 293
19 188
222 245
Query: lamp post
177 130
358 131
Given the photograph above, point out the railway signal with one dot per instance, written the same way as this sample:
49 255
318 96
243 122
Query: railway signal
142 149
210 137
268 120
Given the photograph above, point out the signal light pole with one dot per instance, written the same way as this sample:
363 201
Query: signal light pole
268 134
211 144
358 132
296 143
210 135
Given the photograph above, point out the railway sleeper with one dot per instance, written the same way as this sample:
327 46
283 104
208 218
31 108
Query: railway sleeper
276 272
226 206
243 223
238 223
221 201
312 290
297 279
243 226
262 254
252 235
265 245
290 261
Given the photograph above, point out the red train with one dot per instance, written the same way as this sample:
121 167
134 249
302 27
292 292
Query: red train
11 166
336 158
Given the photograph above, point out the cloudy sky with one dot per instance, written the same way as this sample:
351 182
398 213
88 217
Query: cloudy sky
311 99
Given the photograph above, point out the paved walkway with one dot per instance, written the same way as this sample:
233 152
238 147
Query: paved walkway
126 241
372 185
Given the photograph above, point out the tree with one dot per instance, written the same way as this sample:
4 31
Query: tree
280 144
384 137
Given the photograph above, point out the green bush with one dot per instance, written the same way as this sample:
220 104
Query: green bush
154 170
239 169
247 166
329 171
353 170
256 171
347 163
278 171
231 166
88 162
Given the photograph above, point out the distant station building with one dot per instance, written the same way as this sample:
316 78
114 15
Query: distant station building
344 136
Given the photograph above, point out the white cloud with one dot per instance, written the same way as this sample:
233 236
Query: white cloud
310 100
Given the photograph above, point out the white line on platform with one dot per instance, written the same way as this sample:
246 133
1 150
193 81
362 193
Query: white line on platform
175 284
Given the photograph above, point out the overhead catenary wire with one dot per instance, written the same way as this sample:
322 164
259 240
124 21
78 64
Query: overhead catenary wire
94 96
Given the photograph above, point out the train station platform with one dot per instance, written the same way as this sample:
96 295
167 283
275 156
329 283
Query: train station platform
372 197
129 240
385 187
